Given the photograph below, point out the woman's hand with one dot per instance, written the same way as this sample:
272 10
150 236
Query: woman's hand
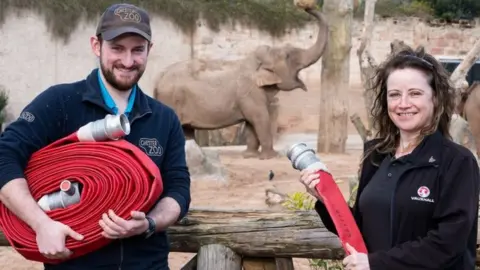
310 178
356 260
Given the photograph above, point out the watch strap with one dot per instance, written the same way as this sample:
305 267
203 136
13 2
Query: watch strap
151 227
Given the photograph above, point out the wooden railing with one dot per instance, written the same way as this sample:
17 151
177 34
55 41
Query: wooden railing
250 239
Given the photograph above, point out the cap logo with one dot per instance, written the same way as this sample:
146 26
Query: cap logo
128 14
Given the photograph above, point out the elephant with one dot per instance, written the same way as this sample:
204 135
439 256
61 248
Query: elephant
209 94
469 108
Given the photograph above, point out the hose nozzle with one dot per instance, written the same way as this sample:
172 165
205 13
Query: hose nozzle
303 157
112 127
68 194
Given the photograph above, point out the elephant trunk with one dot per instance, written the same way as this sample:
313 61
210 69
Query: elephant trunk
312 54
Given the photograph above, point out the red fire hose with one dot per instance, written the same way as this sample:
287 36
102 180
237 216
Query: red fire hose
303 158
338 209
115 175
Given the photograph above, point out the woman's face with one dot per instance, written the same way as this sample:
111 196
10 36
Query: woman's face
409 100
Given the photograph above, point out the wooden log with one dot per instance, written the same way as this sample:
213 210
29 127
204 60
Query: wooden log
254 233
216 256
257 233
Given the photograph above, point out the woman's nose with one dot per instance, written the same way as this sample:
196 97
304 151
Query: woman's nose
404 101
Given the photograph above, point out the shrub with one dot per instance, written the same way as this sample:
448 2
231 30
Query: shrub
3 104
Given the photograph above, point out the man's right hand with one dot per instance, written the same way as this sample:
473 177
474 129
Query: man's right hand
51 239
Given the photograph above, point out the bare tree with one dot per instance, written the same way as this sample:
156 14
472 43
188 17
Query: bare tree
333 122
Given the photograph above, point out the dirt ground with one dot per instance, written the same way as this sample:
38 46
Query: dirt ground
245 187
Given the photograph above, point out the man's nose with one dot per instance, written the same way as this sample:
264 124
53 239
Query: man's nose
127 60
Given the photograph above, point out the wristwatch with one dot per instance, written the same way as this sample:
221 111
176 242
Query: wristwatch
151 227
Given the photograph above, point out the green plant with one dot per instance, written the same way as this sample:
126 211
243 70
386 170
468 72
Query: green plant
3 104
299 201
417 8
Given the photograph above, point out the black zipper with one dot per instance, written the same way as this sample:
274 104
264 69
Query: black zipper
392 201
138 117
121 255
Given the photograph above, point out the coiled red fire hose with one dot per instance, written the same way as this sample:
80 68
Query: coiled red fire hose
115 175
304 158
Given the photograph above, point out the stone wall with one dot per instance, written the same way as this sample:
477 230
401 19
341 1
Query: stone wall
31 59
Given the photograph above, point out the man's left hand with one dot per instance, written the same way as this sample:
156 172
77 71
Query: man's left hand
356 260
115 227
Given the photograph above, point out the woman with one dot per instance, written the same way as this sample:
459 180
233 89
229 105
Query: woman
417 199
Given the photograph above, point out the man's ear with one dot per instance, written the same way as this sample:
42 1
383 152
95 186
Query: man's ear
150 44
96 45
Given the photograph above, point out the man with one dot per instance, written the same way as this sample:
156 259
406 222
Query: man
122 44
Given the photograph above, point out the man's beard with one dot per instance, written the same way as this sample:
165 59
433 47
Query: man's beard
119 85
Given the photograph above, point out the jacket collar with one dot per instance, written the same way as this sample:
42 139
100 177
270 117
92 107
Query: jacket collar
93 94
428 152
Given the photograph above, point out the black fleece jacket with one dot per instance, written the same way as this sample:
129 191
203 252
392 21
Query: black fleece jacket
439 233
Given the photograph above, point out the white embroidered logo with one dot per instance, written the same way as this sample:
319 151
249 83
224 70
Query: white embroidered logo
151 146
423 192
128 14
27 116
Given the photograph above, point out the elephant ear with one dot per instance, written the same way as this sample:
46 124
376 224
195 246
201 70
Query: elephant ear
263 77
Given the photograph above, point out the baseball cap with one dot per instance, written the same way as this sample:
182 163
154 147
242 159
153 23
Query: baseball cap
119 19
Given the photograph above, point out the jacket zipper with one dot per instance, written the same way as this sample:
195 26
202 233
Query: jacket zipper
392 200
138 117
121 255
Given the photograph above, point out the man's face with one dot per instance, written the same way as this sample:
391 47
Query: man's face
122 60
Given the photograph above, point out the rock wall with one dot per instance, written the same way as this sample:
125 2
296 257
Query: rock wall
31 59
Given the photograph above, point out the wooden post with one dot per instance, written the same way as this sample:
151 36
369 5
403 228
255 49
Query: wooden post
218 257
268 263
284 263
191 264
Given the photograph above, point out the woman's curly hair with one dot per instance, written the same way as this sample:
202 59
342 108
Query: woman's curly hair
443 96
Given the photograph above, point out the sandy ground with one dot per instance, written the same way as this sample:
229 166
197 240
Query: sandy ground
245 187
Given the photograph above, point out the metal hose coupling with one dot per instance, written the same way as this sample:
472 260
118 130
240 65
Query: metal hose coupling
112 127
69 194
303 157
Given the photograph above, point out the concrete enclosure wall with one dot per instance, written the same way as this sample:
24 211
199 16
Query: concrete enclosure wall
31 59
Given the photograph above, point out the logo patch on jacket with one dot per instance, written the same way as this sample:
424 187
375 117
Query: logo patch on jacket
423 192
151 146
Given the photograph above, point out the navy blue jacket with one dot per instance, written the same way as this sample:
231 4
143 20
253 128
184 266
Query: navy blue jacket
61 110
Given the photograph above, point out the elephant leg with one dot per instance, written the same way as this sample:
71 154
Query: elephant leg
252 142
260 120
189 132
